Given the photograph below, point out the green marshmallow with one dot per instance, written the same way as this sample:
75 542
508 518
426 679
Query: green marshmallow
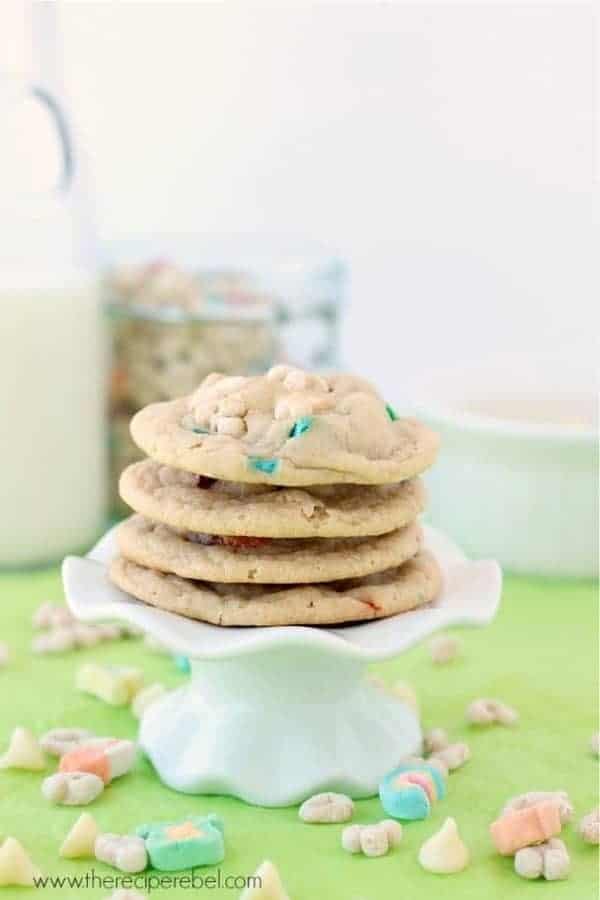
185 844
268 466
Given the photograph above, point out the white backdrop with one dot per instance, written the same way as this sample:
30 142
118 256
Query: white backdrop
446 151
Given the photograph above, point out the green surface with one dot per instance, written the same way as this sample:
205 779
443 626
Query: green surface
540 655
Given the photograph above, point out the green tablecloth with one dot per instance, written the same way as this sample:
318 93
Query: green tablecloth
541 655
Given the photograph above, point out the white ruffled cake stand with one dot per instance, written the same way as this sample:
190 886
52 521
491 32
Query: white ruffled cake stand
273 715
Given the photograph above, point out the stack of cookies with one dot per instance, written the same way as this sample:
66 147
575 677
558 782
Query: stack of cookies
282 499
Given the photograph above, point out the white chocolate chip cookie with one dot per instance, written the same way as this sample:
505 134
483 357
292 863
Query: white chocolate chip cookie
385 594
189 502
264 560
286 428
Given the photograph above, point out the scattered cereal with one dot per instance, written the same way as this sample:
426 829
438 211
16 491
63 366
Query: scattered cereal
59 741
453 756
52 615
185 844
522 827
532 798
56 641
72 788
410 790
444 648
327 807
267 884
372 840
435 739
116 685
146 697
404 691
595 744
108 758
549 860
488 712
24 752
589 827
444 852
15 865
79 842
122 851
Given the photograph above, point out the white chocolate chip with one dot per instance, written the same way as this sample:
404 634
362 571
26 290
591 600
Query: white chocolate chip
72 788
444 648
327 807
79 842
453 756
589 827
124 852
24 752
266 884
16 868
116 685
444 852
533 798
435 739
59 741
487 712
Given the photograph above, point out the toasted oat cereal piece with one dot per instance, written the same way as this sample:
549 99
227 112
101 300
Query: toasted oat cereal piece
595 744
522 827
372 840
108 758
589 827
52 615
453 756
57 640
266 885
24 752
550 860
59 741
327 808
532 798
4 654
79 842
435 739
488 712
86 635
146 697
443 648
445 853
72 788
125 852
116 685
16 868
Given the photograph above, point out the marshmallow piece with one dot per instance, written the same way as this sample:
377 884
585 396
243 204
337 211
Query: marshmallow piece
72 788
435 739
327 807
595 744
184 844
522 827
404 691
532 798
4 654
589 827
453 756
444 852
124 852
488 712
15 865
410 790
444 648
59 741
146 697
115 685
24 752
108 758
268 884
79 842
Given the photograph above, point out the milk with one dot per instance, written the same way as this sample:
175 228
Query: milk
52 440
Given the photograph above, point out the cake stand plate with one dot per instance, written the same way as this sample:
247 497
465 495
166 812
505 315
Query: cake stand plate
273 715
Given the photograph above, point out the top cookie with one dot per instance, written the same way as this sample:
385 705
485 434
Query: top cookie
287 427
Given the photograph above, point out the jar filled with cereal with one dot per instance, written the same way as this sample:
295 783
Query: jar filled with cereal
171 327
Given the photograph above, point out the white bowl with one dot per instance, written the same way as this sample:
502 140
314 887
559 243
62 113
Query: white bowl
517 475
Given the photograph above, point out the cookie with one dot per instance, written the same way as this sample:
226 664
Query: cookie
263 560
287 427
190 502
394 591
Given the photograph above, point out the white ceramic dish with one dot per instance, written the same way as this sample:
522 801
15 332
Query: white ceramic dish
272 715
518 475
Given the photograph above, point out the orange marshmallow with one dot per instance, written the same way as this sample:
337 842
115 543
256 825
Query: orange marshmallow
87 759
524 827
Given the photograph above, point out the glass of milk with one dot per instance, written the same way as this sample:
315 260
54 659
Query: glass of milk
52 357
